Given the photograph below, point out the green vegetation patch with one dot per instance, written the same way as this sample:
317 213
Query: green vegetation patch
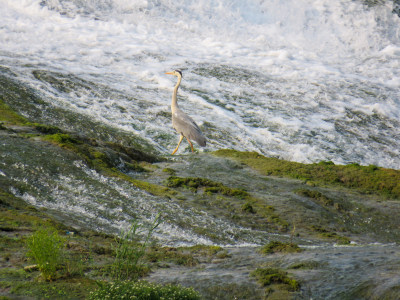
247 207
72 288
171 255
212 187
307 265
106 159
270 276
367 179
7 115
151 188
46 129
186 256
325 233
129 253
45 248
63 140
279 247
319 197
68 264
251 206
142 290
169 171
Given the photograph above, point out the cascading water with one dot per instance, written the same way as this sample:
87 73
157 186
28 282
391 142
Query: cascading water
302 80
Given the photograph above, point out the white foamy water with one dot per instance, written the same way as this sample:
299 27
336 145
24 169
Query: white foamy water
300 79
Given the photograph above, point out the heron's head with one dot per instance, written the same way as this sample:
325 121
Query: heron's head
177 73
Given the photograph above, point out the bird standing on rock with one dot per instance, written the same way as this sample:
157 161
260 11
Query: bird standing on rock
181 122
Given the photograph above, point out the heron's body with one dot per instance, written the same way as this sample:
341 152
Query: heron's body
181 122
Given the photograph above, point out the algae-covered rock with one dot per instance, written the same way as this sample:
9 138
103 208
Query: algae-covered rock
269 276
367 179
280 247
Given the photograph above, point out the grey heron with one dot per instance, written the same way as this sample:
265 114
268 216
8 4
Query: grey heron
181 122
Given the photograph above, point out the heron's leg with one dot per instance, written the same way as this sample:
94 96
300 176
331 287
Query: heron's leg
191 145
180 141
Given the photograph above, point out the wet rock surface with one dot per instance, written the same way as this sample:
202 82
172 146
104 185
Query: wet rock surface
90 182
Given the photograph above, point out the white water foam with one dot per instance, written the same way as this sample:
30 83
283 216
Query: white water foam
303 80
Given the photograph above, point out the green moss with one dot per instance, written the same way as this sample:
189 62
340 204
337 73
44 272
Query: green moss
319 197
269 276
325 233
134 166
306 265
63 140
96 157
186 256
247 207
207 250
171 255
367 179
16 215
268 212
46 129
8 116
212 187
153 189
279 247
169 171
252 204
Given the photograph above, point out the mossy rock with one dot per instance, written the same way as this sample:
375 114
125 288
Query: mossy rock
8 116
366 179
269 276
279 247
47 129
328 234
315 195
247 207
169 171
212 187
307 265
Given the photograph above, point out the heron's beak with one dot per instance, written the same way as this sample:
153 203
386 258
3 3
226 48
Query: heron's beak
169 73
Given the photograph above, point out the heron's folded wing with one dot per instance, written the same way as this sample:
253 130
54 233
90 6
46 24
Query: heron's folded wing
188 127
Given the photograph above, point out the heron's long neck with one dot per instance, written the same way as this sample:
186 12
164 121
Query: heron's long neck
174 103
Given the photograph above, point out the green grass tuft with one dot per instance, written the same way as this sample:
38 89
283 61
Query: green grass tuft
129 253
45 248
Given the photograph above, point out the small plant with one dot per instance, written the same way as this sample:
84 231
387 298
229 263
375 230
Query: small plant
142 290
45 248
129 252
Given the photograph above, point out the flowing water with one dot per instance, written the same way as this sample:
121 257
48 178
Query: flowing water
300 80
